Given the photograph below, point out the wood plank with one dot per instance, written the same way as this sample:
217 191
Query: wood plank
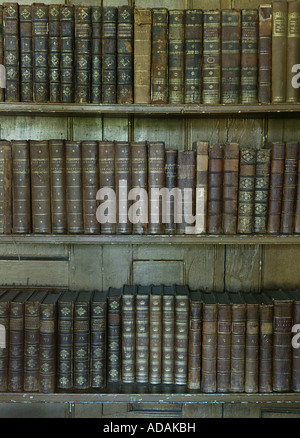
85 268
171 131
281 267
158 272
117 264
202 410
243 268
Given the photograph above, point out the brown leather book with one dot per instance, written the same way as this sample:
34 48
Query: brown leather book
168 334
201 148
90 178
252 343
297 206
54 53
11 51
265 343
159 56
249 55
279 51
128 333
171 183
215 189
209 343
155 334
181 330
107 182
109 55
123 185
262 185
176 56
289 190
156 181
293 49
82 53
142 334
26 58
74 186
295 385
265 53
195 340
5 187
230 187
193 29
276 186
40 186
96 55
186 182
98 339
40 45
2 90
58 185
125 54
114 337
223 342
67 41
245 223
142 55
139 181
238 342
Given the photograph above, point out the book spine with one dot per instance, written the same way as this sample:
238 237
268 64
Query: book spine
128 338
123 183
261 196
2 89
125 55
142 338
81 347
107 179
65 338
25 43
54 53
265 54
214 195
223 347
82 54
4 351
58 184
186 182
142 55
67 53
74 187
279 51
246 191
194 344
171 183
201 148
40 42
109 55
5 187
265 348
209 348
139 177
31 346
238 340
289 188
96 55
293 49
11 51
181 340
47 352
297 207
114 367
276 187
249 55
155 344
156 181
176 56
159 56
168 333
98 344
252 348
295 384
40 186
16 348
230 187
193 55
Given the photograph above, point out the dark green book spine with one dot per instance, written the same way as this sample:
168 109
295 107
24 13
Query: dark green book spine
109 55
67 53
125 55
176 56
26 69
96 55
40 53
159 61
82 53
54 52
11 51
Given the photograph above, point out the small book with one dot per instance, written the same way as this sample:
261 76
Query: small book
245 223
186 182
252 344
171 184
181 328
11 51
5 187
74 194
156 181
109 55
142 334
230 187
54 53
209 343
264 53
98 339
159 56
125 54
139 182
293 49
201 148
142 55
289 190
107 183
67 45
265 384
249 55
123 185
295 385
262 185
223 342
276 186
114 336
155 334
26 58
176 56
82 53
40 45
57 186
279 50
215 189
168 334
195 340
128 333
96 55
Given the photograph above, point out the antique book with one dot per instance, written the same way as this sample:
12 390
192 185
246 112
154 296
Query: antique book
123 185
289 189
40 186
128 322
2 90
193 31
295 384
238 341
265 343
176 56
57 184
215 189
249 55
67 53
168 333
155 334
125 54
139 182
262 185
209 343
245 224
279 50
40 45
26 59
98 339
96 55
297 206
230 55
109 55
11 51
5 187
230 187
107 182
74 186
142 334
223 342
90 180
276 186
264 79
159 56
114 335
186 182
181 332
156 181
171 184
201 148
211 87
252 343
82 53
194 340
21 186
142 55
293 49
54 53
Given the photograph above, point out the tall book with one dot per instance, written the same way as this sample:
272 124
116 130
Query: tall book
67 53
54 53
186 182
201 148
74 186
295 385
142 334
262 185
230 187
297 206
139 182
90 178
279 50
238 342
11 51
109 55
245 223
215 190
98 339
249 55
168 333
194 340
176 56
82 53
159 56
128 322
114 336
5 187
123 185
265 343
107 182
252 344
264 53
40 45
171 184
155 334
2 90
223 342
96 55
181 327
142 55
289 187
57 186
125 54
276 186
156 181
293 49
209 343
26 59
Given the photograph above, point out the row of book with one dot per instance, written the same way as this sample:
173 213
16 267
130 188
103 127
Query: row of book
209 342
56 186
92 54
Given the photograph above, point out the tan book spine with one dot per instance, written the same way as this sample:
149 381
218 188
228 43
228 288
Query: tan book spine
293 50
279 51
142 55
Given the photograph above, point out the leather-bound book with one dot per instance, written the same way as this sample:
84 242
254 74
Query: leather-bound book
139 181
171 183
90 178
176 56
186 182
2 90
194 340
289 187
262 185
230 187
128 322
5 187
209 343
40 186
276 186
282 340
25 46
11 51
48 343
297 206
156 181
279 50
114 336
74 187
238 342
193 44
223 342
123 185
125 55
67 53
230 56
107 180
252 344
215 189
21 186
265 53
98 339
54 53
155 334
109 55
293 49
249 55
181 330
142 55
295 385
65 340
96 55
159 56
265 343
40 44
32 340
142 334
246 191
211 87
201 148
58 185
168 334
82 54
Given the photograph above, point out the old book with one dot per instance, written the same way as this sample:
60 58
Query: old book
21 186
156 181
90 178
238 342
176 56
223 342
142 334
107 183
201 148
186 182
193 31
82 53
26 59
159 56
262 185
74 195
40 44
181 331
125 54
265 343
2 90
11 51
252 344
230 187
297 206
98 339
249 55
114 336
295 384
67 53
155 334
109 55
57 185
279 50
123 185
171 184
209 343
245 223
40 186
194 340
276 186
230 56
264 53
215 190
96 55
142 55
54 53
5 187
168 334
293 49
211 87
128 333
139 182
289 187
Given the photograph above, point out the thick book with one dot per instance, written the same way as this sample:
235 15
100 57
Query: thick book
245 224
11 51
289 189
209 343
156 181
168 334
262 185
176 56
265 384
159 56
96 55
276 186
2 90
54 53
249 55
109 55
125 52
67 53
295 384
181 332
194 340
293 49
82 53
201 148
98 339
128 333
230 187
186 183
193 31
238 342
123 185
223 342
279 50
114 335
40 45
57 186
107 183
26 58
5 187
142 334
139 183
215 189
264 79
74 194
142 55
155 334
252 344
171 184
